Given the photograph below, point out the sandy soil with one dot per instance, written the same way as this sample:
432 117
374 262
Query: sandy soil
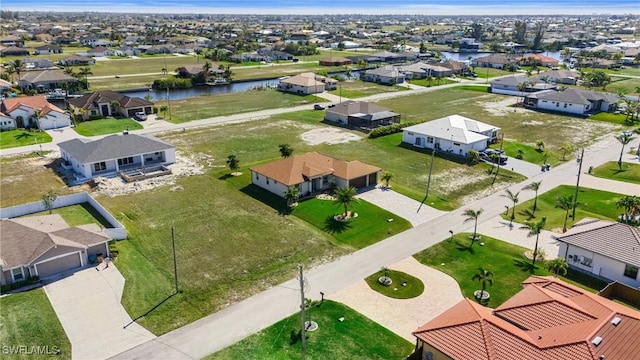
328 135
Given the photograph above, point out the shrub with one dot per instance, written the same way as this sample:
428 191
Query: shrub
390 129
96 117
174 83
19 284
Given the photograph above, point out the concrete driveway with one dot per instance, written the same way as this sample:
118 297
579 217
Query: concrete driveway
400 205
402 316
88 306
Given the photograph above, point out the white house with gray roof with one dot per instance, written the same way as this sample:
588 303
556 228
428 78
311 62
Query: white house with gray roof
603 248
573 101
114 153
454 134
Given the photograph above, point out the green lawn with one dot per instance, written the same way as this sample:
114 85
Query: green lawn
371 225
480 88
356 337
79 214
592 203
629 173
530 152
203 107
506 262
15 138
433 82
484 72
28 320
106 126
403 285
353 89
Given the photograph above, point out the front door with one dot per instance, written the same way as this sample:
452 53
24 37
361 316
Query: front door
105 110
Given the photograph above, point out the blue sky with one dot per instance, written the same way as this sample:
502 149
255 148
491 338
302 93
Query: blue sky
435 7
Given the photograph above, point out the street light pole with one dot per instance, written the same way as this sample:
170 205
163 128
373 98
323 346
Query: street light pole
575 196
302 307
175 260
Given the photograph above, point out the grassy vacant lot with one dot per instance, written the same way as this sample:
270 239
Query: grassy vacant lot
124 82
608 117
627 85
506 262
356 337
630 172
15 138
203 107
412 286
353 89
485 73
79 214
369 227
523 126
28 320
432 82
530 153
592 203
106 126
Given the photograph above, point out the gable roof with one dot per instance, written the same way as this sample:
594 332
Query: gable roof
112 147
387 70
33 102
92 101
493 59
456 128
611 239
300 168
574 96
358 108
512 80
46 76
548 319
302 80
24 240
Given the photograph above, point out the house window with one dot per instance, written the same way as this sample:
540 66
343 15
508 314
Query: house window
126 161
418 141
429 140
456 144
631 271
585 261
17 274
565 105
267 181
325 179
99 166
257 176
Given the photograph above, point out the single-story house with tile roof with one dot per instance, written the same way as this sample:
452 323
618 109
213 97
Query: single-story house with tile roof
23 110
45 246
492 61
457 67
547 319
510 85
335 61
560 76
604 248
312 173
6 122
111 154
361 114
454 134
100 103
388 75
307 83
538 60
77 60
573 101
45 80
421 70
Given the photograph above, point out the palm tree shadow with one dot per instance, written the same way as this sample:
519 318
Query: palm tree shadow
528 213
23 135
464 247
335 227
525 266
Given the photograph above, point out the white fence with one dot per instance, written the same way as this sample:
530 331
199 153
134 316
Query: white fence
116 231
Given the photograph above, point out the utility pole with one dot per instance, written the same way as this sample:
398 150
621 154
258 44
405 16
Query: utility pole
575 196
175 260
433 153
500 154
168 102
302 307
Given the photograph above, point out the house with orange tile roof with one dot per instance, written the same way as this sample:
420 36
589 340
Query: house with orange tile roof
606 249
35 112
307 83
537 60
547 319
312 173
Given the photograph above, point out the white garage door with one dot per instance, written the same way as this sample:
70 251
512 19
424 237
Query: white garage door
58 265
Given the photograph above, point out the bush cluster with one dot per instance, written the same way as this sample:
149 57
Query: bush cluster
391 129
15 285
175 83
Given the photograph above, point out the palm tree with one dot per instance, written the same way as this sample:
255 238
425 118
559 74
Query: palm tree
345 196
386 177
17 66
539 145
624 139
535 228
37 114
557 266
85 71
233 163
630 204
285 150
228 74
472 215
565 203
292 194
535 186
567 148
514 198
485 278
48 199
115 104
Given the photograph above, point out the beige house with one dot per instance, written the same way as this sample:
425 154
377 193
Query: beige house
307 83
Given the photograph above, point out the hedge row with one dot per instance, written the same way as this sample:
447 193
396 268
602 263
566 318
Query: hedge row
391 129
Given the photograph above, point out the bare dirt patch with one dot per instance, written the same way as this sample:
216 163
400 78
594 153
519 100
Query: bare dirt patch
502 107
328 135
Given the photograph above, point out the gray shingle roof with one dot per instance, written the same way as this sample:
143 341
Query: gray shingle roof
359 107
113 147
574 96
611 239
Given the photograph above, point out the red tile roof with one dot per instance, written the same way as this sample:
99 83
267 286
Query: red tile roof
34 102
548 319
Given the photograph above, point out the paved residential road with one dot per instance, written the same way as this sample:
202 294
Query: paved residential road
242 319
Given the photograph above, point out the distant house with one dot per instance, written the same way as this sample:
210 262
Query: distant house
537 60
603 248
454 134
307 83
101 103
31 63
388 75
312 173
573 101
14 51
126 51
24 111
45 80
456 67
114 153
547 319
361 114
77 60
493 61
99 51
45 246
48 49
12 40
335 61
421 70
567 77
518 85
